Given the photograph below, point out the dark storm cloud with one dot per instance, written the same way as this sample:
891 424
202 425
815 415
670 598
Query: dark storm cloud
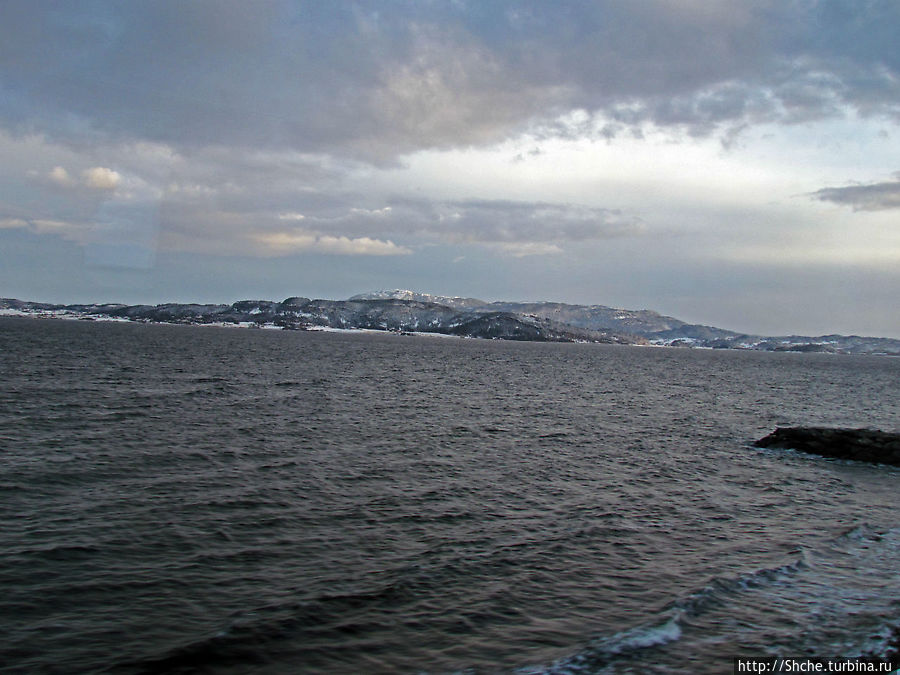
378 79
872 197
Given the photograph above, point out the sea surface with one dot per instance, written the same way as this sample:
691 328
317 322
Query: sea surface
178 499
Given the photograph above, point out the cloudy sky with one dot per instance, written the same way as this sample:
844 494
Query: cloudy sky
729 163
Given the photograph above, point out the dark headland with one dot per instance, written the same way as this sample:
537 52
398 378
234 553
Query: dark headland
862 445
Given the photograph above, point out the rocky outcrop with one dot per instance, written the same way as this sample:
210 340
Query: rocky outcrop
863 445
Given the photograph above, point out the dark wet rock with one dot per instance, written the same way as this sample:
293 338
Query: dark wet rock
862 445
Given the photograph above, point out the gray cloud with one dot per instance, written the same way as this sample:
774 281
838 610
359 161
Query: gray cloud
233 201
518 223
871 197
512 228
374 80
515 227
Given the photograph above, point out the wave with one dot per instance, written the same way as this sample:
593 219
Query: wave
816 585
669 626
258 636
209 379
811 583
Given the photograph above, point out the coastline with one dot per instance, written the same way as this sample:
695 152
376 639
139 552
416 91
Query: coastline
534 322
71 315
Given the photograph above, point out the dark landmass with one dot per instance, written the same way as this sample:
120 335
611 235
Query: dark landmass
407 312
862 445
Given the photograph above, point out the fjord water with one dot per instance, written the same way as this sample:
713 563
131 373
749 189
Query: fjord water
186 499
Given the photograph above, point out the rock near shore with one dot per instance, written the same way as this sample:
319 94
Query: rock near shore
862 445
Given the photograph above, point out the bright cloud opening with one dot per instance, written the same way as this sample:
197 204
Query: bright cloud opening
101 178
299 241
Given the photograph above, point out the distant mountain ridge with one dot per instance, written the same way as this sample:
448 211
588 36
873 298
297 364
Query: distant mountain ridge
591 317
643 322
413 296
406 311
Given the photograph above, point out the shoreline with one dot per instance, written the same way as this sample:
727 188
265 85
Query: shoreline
69 315
424 314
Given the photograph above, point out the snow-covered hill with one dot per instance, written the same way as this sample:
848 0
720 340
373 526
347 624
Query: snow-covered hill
409 311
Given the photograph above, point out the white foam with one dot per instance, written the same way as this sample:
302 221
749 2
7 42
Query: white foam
643 637
602 650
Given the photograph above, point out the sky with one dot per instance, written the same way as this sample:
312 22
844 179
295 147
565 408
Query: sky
732 163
